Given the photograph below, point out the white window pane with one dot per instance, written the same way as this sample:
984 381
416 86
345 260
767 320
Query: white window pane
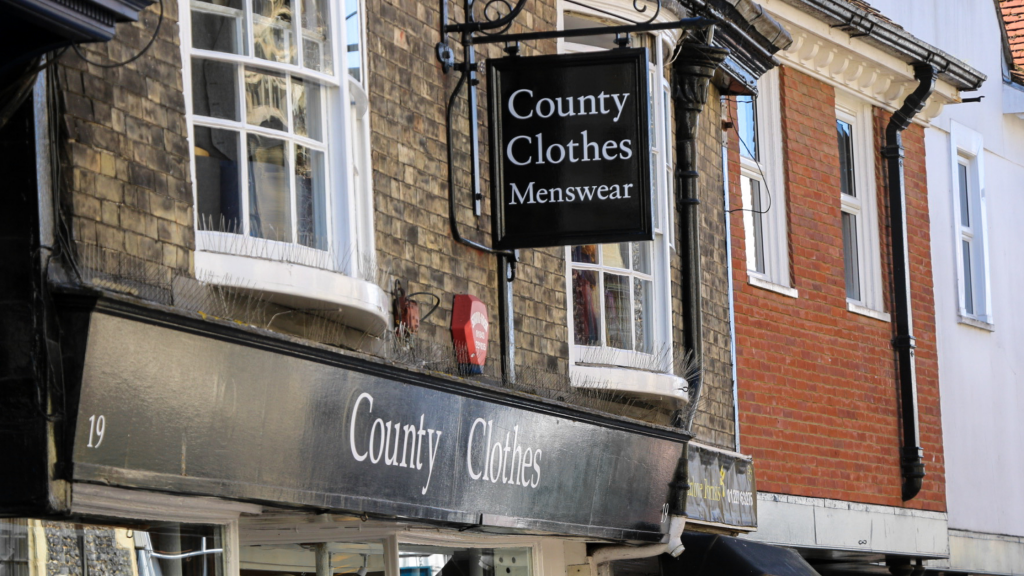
317 53
746 120
219 27
965 203
214 89
270 206
757 219
311 202
642 257
354 49
266 99
272 31
218 197
586 308
617 310
643 304
851 257
846 178
306 109
968 278
586 254
615 255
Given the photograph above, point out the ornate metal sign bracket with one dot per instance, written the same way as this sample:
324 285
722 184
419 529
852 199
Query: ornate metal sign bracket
498 17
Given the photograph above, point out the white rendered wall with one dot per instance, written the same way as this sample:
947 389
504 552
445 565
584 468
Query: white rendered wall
981 373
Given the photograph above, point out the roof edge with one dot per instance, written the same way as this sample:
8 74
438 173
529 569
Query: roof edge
892 39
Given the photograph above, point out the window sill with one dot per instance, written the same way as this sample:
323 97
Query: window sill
760 282
865 311
628 380
364 305
975 323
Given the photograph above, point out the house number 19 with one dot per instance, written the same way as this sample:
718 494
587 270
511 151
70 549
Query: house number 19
97 426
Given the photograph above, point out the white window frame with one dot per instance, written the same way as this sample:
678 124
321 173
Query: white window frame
346 140
767 171
625 369
967 149
857 114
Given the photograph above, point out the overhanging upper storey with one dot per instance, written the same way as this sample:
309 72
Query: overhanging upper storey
848 43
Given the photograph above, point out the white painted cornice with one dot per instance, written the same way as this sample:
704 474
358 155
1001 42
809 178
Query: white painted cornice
834 57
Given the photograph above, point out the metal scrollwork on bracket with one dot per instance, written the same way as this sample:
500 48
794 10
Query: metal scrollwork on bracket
639 5
492 14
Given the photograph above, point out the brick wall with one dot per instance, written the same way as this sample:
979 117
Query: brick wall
818 395
125 163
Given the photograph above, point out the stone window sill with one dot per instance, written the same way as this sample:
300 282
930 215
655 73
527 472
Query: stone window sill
759 282
629 380
865 311
975 323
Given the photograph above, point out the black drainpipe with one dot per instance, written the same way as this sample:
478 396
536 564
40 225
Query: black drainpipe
912 457
691 74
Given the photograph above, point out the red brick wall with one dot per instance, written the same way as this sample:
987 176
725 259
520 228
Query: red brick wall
819 403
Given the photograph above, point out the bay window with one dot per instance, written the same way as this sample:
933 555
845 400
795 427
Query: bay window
619 307
279 143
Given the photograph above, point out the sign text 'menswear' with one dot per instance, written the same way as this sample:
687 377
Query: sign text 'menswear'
570 149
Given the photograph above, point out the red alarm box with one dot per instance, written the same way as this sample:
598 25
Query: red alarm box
470 333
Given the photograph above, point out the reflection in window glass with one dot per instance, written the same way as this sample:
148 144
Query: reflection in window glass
214 89
617 311
416 560
163 549
845 134
965 203
851 262
265 99
300 559
272 31
586 308
312 198
219 26
218 197
270 214
746 120
968 278
306 109
316 38
585 254
615 255
757 219
354 50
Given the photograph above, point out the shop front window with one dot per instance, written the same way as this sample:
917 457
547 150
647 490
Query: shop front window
44 548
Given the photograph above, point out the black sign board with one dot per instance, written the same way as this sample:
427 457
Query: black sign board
570 149
182 411
722 488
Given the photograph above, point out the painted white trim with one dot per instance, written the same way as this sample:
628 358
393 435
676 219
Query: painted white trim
865 311
824 524
362 305
857 113
967 147
96 500
629 380
832 56
757 281
975 323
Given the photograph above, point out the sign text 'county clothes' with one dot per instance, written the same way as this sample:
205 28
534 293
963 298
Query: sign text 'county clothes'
570 149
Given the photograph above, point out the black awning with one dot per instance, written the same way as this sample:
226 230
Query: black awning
713 555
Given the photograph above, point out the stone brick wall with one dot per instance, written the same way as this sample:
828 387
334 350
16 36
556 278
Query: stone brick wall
818 396
125 181
408 93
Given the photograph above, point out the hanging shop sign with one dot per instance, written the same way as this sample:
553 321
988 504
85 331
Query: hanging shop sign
570 149
722 488
238 416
